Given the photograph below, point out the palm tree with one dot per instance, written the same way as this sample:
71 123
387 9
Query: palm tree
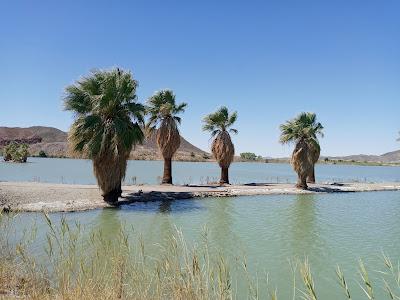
106 126
303 130
219 123
163 113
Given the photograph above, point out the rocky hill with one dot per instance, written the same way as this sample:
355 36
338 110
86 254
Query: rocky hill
54 143
390 157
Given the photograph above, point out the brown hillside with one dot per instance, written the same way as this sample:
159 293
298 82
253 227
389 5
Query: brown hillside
390 157
54 142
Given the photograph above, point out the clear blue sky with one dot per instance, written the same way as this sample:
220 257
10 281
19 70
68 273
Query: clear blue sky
269 60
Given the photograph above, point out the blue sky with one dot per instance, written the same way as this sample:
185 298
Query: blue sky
269 60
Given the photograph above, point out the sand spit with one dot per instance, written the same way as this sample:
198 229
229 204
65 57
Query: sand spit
50 197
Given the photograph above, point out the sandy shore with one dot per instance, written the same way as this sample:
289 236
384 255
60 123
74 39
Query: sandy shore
29 196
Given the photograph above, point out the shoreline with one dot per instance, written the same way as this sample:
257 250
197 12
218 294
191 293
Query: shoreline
339 162
54 197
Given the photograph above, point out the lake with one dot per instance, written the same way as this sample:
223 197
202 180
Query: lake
270 231
79 171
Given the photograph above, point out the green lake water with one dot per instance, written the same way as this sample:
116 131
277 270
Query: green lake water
269 231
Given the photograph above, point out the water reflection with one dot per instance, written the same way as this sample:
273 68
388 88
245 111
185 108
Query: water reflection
302 225
329 229
164 206
307 238
219 222
108 222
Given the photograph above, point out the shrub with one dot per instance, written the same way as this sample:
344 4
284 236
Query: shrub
15 152
248 156
42 153
205 156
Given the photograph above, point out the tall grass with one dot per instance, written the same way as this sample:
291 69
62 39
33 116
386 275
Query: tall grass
81 265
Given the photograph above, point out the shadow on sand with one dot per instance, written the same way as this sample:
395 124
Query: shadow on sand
209 186
257 184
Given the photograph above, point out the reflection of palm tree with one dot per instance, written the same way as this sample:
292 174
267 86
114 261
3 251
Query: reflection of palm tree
160 227
107 226
303 228
164 222
108 222
165 206
219 222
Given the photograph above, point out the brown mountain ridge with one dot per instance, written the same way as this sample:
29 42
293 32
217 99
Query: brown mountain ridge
389 157
54 143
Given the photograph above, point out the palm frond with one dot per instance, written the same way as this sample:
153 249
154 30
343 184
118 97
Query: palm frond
162 106
233 130
77 100
304 126
106 113
180 108
220 120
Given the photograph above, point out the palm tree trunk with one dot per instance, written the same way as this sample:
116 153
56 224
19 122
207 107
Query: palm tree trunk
302 182
167 177
119 190
224 175
112 196
311 177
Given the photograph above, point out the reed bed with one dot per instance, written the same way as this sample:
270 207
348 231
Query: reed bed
81 265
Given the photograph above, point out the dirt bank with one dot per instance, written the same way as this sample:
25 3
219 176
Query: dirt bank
29 196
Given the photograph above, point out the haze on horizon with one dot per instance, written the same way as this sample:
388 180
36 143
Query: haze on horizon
268 60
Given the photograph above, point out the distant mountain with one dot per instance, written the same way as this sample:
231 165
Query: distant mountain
31 135
390 157
54 142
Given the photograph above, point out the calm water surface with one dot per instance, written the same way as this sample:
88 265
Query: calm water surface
80 171
269 231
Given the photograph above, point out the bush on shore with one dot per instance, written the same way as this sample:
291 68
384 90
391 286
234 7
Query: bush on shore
15 152
42 153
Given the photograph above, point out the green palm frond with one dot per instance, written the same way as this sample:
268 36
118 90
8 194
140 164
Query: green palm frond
162 105
220 121
233 130
304 126
107 116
